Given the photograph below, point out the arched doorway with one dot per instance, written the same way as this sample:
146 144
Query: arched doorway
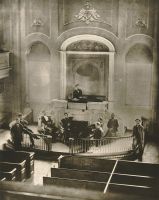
88 60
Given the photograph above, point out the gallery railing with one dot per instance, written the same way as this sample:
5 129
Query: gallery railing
104 146
44 142
87 146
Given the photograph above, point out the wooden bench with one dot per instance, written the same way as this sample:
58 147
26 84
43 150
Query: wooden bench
80 174
8 172
2 177
74 183
20 191
86 163
146 181
19 156
29 157
15 160
143 191
137 168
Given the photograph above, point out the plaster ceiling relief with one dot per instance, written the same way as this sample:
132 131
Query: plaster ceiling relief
88 14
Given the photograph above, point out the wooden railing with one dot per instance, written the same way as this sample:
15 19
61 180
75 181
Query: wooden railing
43 143
104 146
107 146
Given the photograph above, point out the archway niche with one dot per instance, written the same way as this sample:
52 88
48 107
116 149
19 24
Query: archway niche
38 69
139 76
89 61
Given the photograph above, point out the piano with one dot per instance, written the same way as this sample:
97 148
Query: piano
79 129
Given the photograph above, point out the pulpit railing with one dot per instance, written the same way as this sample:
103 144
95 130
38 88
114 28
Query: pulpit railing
104 146
44 142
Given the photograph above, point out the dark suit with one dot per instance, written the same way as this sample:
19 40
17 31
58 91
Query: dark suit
113 124
138 132
44 120
28 131
17 135
77 93
66 124
97 135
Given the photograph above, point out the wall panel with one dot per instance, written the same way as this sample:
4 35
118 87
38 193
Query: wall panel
140 17
79 13
38 17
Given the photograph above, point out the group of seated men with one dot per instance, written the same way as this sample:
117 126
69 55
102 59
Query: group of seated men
47 126
63 131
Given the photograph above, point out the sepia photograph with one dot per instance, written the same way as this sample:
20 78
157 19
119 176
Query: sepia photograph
79 99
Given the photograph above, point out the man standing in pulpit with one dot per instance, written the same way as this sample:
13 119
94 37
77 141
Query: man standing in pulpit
77 93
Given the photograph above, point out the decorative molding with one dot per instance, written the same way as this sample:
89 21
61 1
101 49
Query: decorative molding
37 22
87 45
86 37
87 14
140 35
141 23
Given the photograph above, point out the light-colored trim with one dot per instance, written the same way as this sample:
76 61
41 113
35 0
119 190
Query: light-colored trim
88 28
62 75
63 61
139 35
88 52
106 187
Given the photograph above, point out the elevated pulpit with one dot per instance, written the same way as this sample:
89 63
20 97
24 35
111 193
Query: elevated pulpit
88 112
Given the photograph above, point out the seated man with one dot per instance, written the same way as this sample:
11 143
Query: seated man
44 118
77 93
50 129
112 126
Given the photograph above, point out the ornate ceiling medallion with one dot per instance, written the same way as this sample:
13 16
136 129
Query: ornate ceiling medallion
87 14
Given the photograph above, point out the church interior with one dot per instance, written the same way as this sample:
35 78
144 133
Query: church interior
79 99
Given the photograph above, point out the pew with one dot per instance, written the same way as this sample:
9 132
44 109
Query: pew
8 171
29 157
145 181
137 168
20 168
80 174
74 183
143 191
19 157
2 177
20 191
86 163
15 160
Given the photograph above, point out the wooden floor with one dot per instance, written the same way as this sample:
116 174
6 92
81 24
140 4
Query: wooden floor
42 168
